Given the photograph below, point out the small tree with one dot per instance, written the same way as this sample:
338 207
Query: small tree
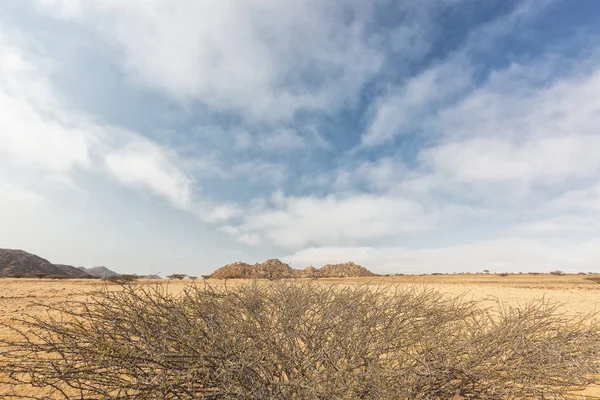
40 275
177 276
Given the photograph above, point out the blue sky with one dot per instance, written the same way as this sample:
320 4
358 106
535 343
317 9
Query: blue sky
177 136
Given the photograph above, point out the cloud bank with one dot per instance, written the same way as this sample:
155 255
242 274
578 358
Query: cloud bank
407 137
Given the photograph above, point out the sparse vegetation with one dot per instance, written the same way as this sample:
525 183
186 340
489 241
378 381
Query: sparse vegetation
177 276
58 277
301 340
595 279
557 272
121 279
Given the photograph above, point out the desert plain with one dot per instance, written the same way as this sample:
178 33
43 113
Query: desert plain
575 292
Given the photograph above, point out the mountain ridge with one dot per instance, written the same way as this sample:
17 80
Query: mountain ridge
16 262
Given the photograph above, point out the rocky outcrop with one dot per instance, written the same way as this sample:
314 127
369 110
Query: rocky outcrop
275 269
270 269
308 272
345 270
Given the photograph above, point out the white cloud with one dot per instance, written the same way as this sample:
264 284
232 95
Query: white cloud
144 163
39 133
561 225
15 198
585 200
515 103
35 132
502 255
546 160
521 147
297 221
285 139
216 213
382 175
401 112
253 57
405 107
515 133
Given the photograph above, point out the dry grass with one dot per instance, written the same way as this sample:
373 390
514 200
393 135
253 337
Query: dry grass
578 295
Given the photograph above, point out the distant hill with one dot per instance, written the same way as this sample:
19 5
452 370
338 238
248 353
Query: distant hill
99 272
22 263
73 272
275 269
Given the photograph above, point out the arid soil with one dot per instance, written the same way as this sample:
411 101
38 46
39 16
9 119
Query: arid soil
575 292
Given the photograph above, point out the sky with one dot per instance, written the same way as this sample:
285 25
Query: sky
175 136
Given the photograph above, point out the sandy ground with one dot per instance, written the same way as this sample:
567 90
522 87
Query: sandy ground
575 292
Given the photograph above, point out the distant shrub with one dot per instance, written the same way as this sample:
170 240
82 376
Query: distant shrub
121 279
58 277
301 341
504 274
40 275
557 272
17 276
193 278
177 276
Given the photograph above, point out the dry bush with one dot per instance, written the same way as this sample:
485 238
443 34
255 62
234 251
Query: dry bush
59 277
593 279
121 279
281 340
177 276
